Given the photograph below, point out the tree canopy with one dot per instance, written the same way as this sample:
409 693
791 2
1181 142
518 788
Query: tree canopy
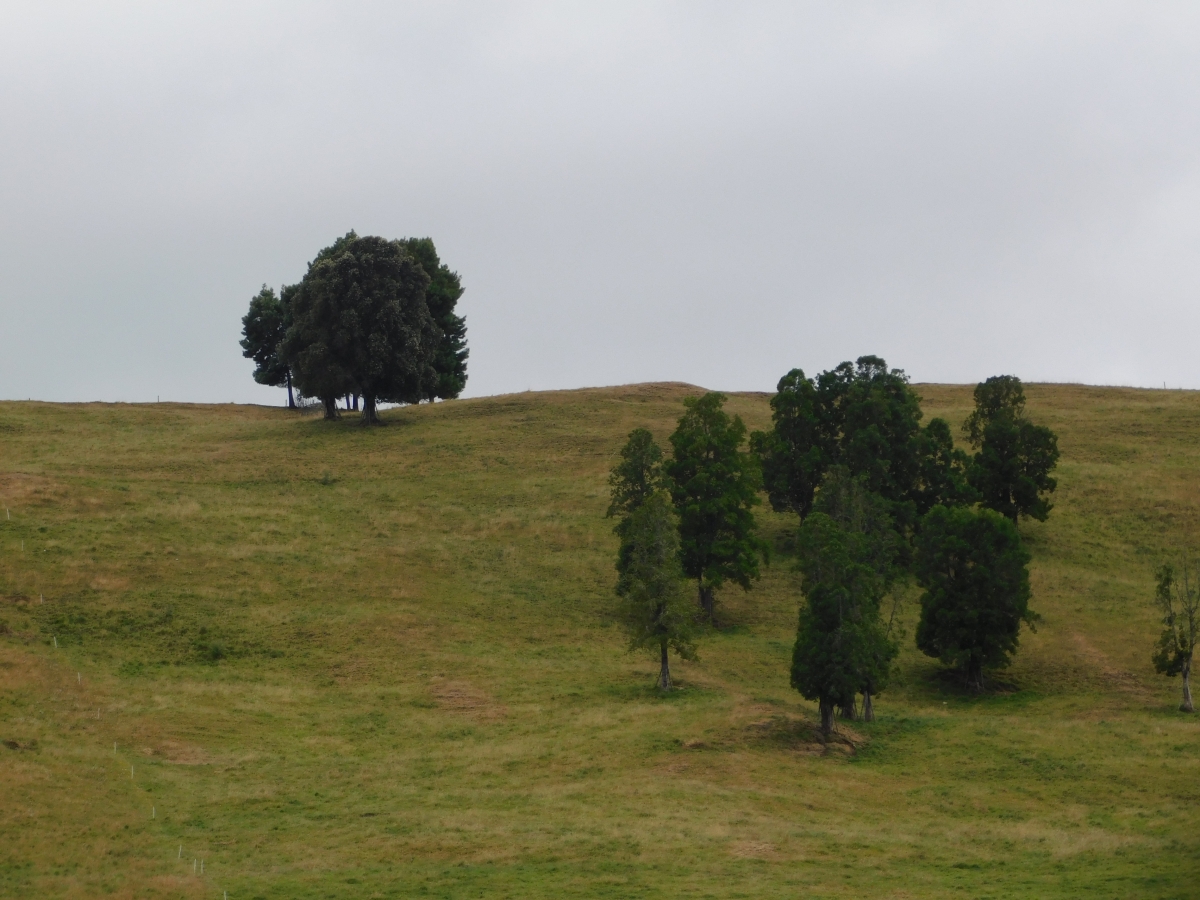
714 485
360 323
973 568
1011 470
865 417
371 318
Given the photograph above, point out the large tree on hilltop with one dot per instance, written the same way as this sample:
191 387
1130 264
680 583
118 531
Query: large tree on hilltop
714 485
361 324
441 295
263 329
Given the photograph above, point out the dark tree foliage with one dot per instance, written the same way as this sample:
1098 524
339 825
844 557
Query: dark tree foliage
846 556
654 607
973 568
445 287
1178 597
263 328
632 481
360 324
943 472
865 417
714 485
876 416
1011 470
796 451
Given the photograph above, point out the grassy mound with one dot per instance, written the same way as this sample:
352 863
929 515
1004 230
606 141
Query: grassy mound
338 661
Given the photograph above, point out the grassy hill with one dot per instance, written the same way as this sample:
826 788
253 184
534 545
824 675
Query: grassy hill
338 662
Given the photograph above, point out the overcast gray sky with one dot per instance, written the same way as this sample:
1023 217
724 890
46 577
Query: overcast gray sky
712 193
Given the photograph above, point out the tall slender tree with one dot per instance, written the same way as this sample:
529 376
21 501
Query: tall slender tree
654 608
714 484
798 448
1178 597
633 481
848 550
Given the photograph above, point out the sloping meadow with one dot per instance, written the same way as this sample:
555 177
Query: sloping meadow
318 660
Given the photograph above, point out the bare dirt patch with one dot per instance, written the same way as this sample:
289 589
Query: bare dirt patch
466 699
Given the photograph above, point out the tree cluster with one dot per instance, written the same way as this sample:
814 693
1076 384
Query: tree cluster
909 502
698 505
372 318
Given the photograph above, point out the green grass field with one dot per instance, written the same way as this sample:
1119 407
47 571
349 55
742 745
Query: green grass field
339 662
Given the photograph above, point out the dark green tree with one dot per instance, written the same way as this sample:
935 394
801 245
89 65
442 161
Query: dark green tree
714 485
973 568
877 416
632 481
943 473
445 287
654 606
1011 470
263 328
859 415
360 324
796 451
1178 597
842 646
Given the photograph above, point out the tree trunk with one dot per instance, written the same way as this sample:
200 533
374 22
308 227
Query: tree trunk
706 603
1186 706
975 674
291 402
369 414
826 717
849 710
354 398
331 410
664 675
868 708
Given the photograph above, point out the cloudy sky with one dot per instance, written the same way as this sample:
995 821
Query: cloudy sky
712 193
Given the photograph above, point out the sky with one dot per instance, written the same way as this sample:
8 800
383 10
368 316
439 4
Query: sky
701 192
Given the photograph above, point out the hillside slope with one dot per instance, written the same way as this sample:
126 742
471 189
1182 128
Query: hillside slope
346 662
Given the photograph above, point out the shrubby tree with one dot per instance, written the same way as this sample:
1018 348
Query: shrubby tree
1011 468
1178 597
633 480
847 558
263 328
973 568
654 606
360 324
714 485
